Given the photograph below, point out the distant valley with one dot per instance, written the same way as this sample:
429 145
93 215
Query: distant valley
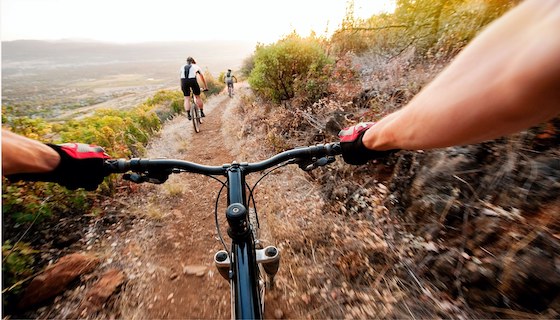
63 79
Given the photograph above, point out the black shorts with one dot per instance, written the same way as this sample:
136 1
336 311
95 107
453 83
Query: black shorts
187 84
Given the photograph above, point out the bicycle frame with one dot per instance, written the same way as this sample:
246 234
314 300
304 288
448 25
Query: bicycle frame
243 275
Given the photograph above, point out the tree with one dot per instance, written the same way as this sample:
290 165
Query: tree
429 26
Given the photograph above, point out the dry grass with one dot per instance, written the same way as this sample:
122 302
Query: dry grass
389 83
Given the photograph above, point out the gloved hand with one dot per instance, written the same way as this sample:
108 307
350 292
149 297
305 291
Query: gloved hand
81 166
353 149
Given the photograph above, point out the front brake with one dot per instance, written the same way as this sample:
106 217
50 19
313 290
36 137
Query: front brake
155 178
314 163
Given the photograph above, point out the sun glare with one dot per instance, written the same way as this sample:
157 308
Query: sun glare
176 20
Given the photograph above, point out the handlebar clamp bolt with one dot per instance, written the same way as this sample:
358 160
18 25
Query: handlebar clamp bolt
236 215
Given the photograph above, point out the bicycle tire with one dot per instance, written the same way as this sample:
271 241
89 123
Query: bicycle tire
262 283
262 278
195 118
199 116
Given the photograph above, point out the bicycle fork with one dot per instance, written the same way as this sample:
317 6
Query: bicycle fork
268 258
242 269
240 231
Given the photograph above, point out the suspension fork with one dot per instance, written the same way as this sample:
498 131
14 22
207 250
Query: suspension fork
243 275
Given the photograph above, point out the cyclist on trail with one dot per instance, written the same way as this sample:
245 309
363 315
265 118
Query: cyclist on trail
229 78
189 82
507 79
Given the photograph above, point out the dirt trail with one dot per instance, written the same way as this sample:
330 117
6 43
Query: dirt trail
170 269
163 237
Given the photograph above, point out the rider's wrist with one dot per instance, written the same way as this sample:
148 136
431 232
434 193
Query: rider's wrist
46 159
379 139
51 160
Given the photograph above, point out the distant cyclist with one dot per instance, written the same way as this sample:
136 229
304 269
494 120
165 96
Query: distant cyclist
229 78
189 82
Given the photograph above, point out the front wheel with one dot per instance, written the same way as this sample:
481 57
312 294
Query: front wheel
196 118
261 274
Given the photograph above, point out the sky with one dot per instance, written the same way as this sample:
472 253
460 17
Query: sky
129 21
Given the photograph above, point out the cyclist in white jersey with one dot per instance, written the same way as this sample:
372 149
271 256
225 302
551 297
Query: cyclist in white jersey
189 82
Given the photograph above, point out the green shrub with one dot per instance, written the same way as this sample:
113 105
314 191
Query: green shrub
214 86
164 97
247 66
34 128
291 66
167 104
17 266
121 133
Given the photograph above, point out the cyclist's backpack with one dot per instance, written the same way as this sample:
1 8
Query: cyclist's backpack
187 69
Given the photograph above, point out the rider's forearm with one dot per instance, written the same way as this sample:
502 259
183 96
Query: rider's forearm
24 155
203 81
506 80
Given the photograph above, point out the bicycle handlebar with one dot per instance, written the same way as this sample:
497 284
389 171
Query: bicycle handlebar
308 158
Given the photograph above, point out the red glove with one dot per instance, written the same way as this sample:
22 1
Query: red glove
353 149
81 166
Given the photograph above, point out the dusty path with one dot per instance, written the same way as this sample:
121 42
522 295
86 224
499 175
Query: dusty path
163 237
171 274
186 238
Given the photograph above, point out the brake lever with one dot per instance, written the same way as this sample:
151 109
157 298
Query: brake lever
325 160
150 178
315 163
306 164
134 177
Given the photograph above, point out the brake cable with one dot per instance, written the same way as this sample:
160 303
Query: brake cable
216 217
251 193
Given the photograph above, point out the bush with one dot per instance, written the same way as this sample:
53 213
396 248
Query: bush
167 104
214 86
17 265
247 66
292 66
